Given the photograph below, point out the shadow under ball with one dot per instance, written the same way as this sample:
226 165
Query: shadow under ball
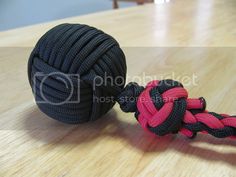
76 72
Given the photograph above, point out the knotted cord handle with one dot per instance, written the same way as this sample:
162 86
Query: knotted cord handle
163 107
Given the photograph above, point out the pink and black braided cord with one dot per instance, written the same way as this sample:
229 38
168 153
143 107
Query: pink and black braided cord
163 107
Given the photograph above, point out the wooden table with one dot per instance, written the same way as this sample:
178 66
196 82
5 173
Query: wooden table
182 37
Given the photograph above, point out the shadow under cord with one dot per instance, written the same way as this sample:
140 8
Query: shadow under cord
41 128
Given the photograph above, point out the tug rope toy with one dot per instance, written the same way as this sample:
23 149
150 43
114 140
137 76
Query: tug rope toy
63 71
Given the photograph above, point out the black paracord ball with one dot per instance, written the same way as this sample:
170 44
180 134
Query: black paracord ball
77 72
64 66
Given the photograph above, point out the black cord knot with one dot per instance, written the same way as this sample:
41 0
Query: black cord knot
128 97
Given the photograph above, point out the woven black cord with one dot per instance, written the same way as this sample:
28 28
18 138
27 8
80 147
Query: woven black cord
66 62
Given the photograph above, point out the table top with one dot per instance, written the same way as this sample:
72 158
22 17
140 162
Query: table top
190 41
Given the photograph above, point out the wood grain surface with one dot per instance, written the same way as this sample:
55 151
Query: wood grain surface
182 40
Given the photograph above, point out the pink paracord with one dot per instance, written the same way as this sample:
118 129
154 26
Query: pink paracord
195 118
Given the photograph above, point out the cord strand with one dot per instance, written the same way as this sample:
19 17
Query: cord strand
163 107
